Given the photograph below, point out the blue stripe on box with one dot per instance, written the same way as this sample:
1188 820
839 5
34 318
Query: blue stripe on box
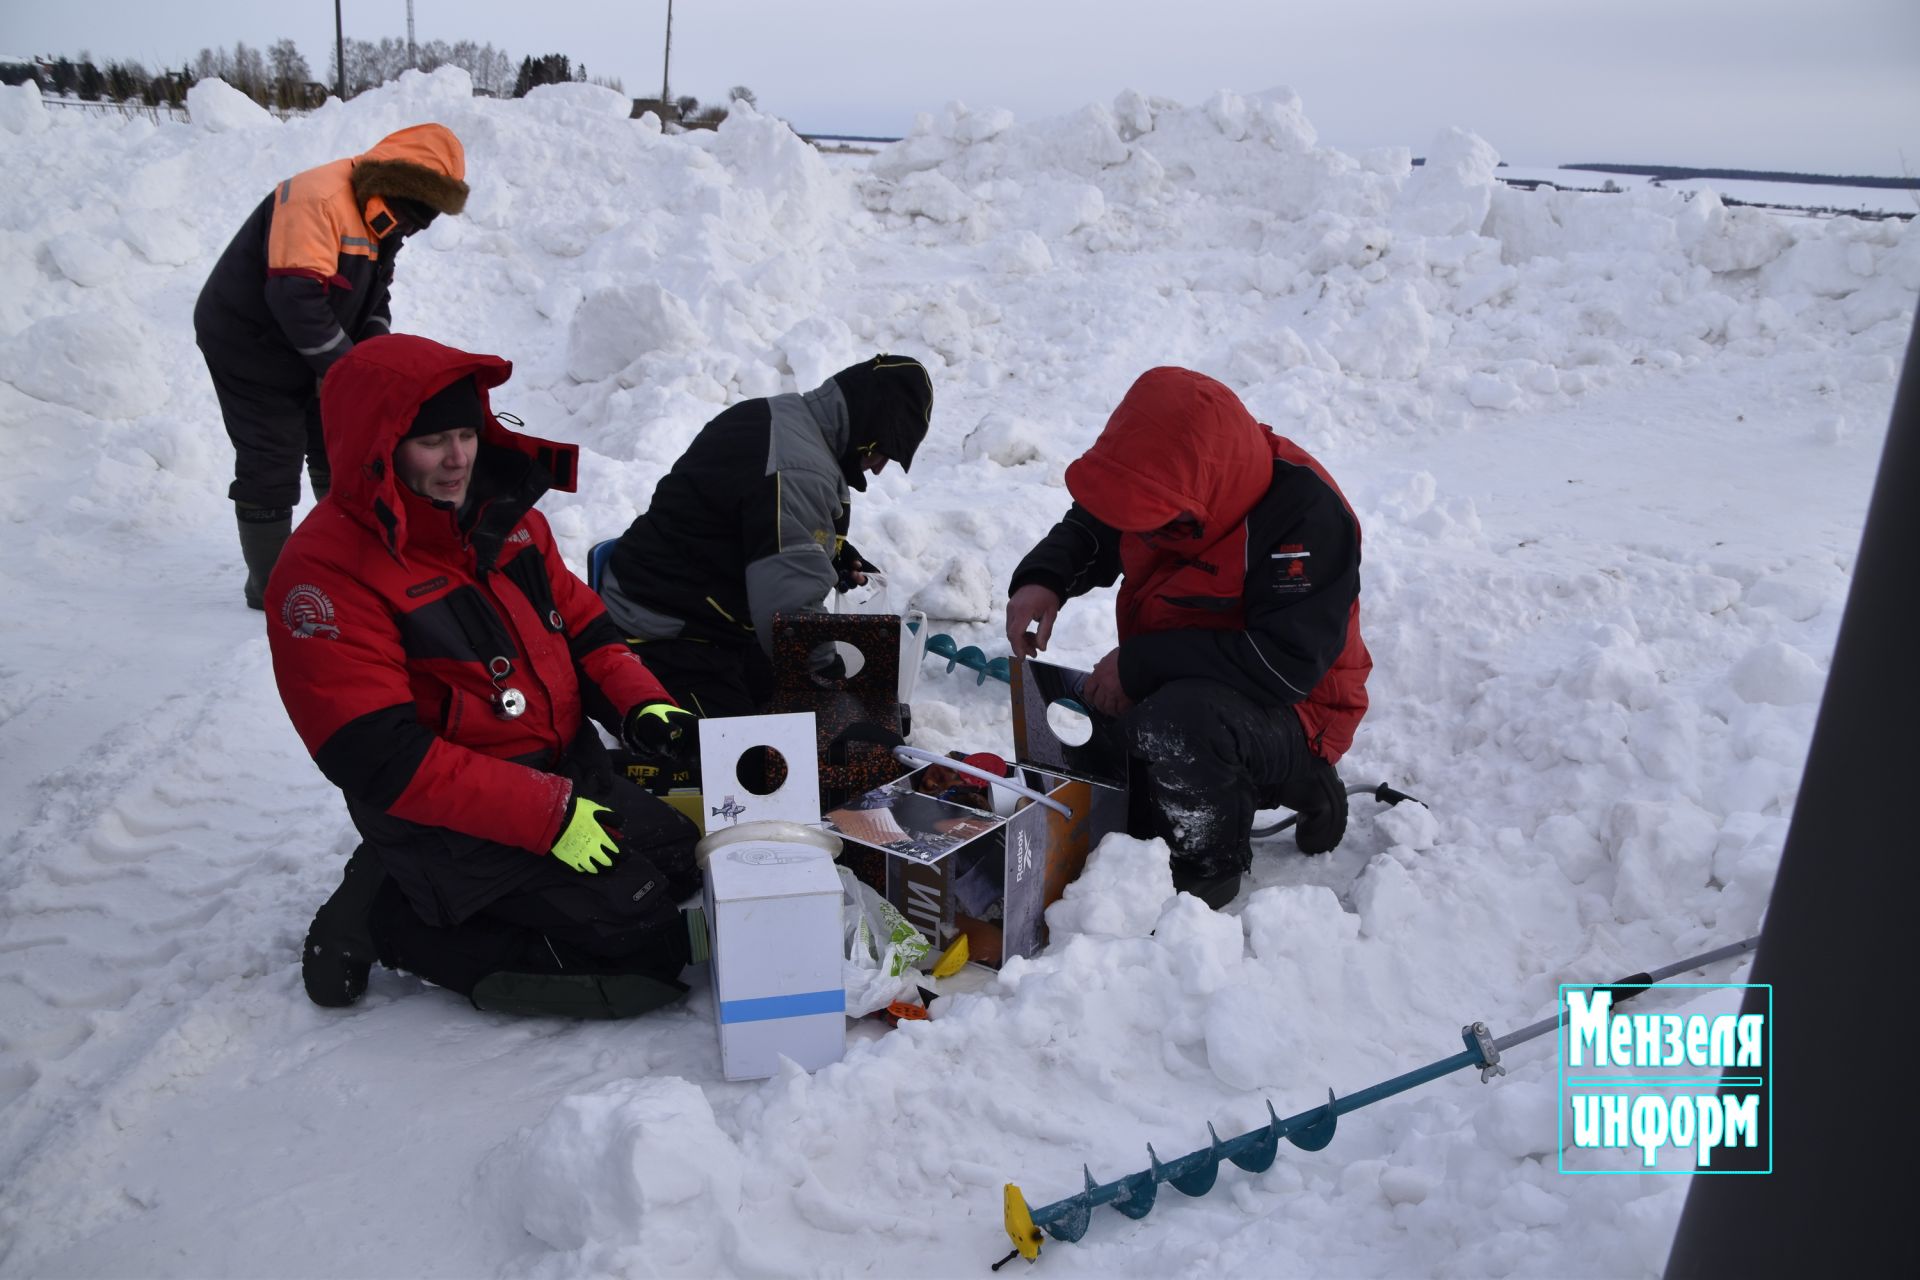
767 1008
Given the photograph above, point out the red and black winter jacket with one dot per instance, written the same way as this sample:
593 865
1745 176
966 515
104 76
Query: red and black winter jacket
1266 598
386 611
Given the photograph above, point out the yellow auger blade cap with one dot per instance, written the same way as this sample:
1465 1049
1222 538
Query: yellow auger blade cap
1020 1228
953 959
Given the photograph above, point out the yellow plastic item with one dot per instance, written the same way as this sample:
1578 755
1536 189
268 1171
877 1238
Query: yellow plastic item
688 803
1020 1228
952 960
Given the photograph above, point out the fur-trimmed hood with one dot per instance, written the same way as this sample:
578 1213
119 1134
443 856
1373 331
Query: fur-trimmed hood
424 162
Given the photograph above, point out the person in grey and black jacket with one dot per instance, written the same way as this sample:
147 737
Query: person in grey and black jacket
752 521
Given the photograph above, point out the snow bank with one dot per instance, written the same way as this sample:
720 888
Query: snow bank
21 110
217 107
100 363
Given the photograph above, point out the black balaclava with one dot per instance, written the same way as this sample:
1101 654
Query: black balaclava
889 403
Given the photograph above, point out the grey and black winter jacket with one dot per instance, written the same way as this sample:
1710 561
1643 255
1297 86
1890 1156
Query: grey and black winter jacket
749 521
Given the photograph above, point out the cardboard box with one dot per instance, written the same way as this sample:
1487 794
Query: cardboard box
953 866
773 909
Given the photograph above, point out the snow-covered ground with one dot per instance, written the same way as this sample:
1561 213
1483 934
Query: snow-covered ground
1611 453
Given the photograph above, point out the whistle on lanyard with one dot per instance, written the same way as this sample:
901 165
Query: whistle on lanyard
508 702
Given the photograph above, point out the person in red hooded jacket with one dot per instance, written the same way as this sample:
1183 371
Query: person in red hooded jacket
1240 675
306 277
439 660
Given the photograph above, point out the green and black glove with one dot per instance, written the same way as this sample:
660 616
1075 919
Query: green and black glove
662 729
586 842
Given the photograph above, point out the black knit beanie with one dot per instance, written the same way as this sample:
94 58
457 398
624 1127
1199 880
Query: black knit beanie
452 407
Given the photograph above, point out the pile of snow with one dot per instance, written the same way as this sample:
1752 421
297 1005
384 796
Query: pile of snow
1610 453
218 107
21 110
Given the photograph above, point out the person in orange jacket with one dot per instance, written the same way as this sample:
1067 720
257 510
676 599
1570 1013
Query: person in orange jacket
305 278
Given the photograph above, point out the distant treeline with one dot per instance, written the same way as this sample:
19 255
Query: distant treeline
1675 173
279 76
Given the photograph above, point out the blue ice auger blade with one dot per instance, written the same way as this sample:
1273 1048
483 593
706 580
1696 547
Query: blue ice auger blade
1315 1136
974 658
1254 1150
1070 1216
1191 1174
1135 1193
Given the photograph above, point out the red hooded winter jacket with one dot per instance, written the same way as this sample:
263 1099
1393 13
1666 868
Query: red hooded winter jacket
386 610
1266 597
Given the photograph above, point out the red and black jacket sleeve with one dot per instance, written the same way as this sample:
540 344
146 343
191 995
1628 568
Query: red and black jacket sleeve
346 689
1077 555
1302 577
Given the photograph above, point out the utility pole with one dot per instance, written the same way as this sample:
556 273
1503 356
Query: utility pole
665 63
339 54
413 50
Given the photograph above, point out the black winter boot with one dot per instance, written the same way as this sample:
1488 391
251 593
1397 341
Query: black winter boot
339 950
263 531
1211 885
1320 798
575 995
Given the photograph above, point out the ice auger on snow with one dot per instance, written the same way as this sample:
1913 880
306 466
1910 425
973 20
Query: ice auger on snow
1193 1174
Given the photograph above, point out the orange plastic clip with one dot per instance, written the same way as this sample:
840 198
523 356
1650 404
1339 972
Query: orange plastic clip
904 1011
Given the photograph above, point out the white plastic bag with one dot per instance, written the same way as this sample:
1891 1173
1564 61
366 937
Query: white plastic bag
880 948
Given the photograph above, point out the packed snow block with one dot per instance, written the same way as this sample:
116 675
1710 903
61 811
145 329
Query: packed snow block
773 908
963 859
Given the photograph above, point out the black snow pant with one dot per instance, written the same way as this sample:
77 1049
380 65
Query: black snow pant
270 403
710 679
556 920
1205 759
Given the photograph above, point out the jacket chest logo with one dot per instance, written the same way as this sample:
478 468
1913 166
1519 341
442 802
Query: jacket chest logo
308 612
1290 568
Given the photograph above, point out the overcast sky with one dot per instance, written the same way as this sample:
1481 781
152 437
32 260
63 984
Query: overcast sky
1817 85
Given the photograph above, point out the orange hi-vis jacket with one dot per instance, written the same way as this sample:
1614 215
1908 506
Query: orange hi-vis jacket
307 275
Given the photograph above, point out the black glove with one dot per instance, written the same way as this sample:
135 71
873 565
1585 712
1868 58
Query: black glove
662 729
1320 798
849 562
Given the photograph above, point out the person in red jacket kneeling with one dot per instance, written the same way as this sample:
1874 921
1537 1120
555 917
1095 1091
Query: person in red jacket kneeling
440 662
1240 675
